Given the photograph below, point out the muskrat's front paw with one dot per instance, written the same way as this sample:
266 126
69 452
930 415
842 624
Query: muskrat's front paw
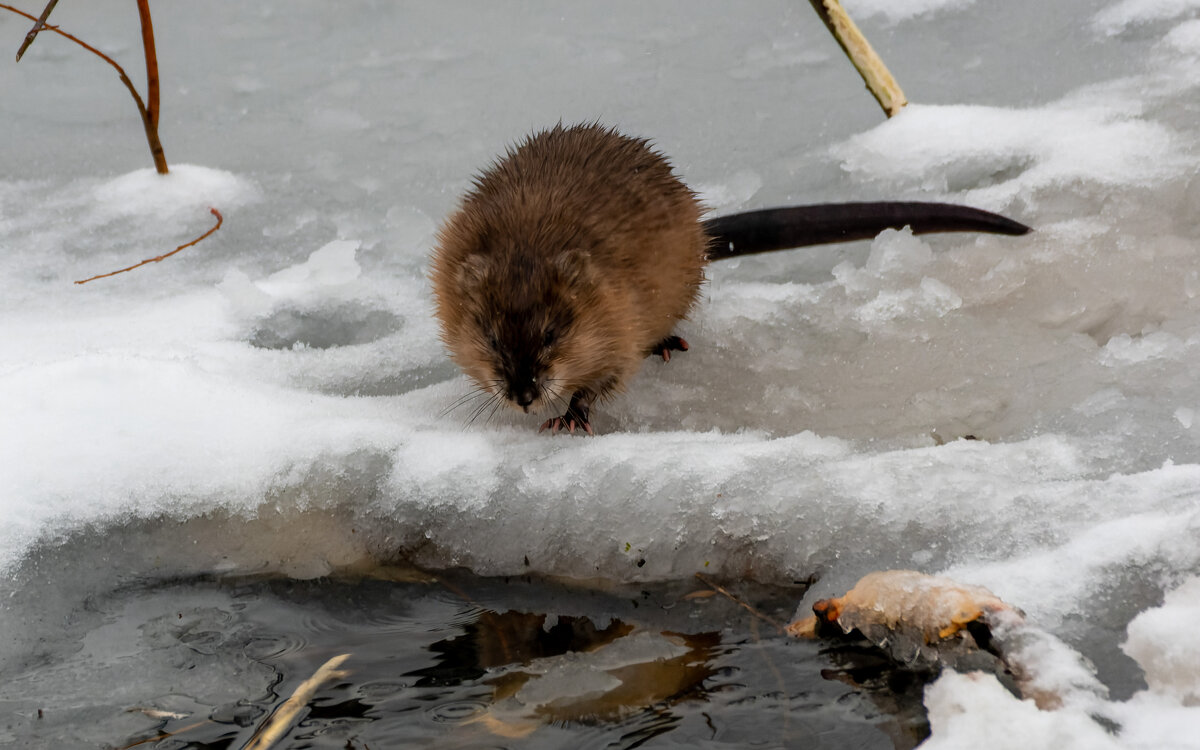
665 347
567 423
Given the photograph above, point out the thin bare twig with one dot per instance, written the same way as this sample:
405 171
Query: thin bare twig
156 149
41 22
164 256
724 592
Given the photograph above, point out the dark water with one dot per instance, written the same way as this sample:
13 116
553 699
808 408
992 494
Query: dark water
455 661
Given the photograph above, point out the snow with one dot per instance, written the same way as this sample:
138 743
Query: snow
974 709
992 155
1017 413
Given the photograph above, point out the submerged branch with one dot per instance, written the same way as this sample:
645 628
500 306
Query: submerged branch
744 604
278 723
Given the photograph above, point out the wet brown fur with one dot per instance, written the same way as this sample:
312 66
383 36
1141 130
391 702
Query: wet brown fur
568 262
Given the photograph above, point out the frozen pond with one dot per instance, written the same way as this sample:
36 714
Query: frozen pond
273 402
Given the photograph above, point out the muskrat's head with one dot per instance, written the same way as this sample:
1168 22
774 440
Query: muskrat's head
521 324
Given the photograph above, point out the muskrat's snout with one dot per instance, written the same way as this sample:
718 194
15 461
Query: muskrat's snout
523 392
525 396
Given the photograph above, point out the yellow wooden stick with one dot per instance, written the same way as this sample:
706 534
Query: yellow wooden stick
279 722
879 80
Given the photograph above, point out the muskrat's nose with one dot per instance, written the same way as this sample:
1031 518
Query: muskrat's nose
526 396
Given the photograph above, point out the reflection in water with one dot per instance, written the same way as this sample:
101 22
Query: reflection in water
570 670
896 692
497 640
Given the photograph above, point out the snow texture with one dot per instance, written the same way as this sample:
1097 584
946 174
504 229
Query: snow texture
1012 412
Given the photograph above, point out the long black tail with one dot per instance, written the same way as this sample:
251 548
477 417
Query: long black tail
800 226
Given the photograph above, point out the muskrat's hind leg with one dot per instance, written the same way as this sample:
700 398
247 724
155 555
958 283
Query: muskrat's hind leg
664 347
578 412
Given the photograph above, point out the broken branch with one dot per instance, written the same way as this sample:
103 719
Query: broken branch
279 722
875 74
164 256
41 22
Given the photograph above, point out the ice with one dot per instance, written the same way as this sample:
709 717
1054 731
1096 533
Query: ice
731 194
332 265
1119 17
1185 37
903 10
896 260
1159 639
1013 412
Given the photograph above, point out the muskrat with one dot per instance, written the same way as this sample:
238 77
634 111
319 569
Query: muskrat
573 257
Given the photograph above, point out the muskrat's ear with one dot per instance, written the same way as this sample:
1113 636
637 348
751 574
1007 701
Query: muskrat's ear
573 265
473 271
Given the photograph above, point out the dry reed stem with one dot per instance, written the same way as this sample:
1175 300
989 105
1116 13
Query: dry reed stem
164 256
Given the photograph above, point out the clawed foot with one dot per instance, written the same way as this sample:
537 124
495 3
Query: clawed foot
567 423
664 347
578 413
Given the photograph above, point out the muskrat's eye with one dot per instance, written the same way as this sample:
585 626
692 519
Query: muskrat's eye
549 337
494 341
